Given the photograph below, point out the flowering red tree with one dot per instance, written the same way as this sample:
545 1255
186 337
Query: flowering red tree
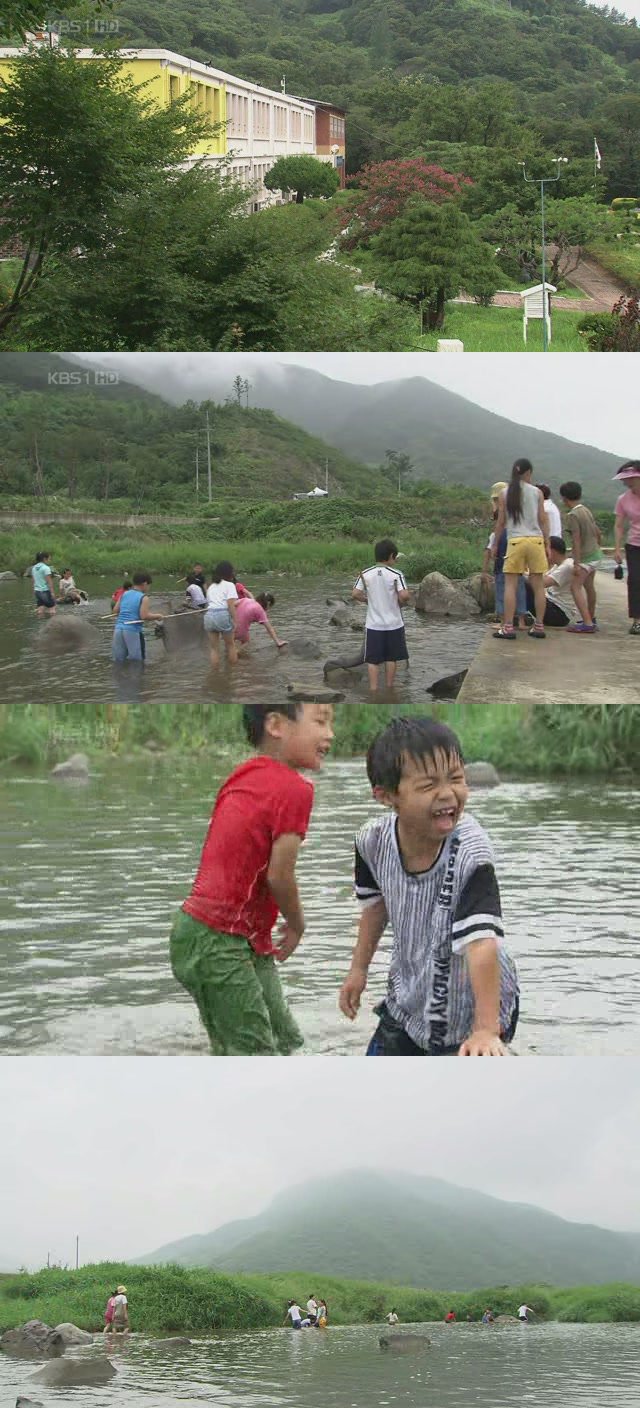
388 185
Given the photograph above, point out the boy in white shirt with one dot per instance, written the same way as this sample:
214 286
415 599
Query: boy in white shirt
384 589
559 609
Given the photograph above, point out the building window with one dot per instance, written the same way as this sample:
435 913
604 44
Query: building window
308 127
174 87
295 126
280 120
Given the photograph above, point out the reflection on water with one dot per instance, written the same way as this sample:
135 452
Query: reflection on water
27 671
571 1366
90 878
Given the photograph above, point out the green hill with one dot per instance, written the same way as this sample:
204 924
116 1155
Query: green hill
388 60
449 438
412 1230
63 431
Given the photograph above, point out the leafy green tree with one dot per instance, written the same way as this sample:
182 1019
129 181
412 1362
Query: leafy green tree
571 225
429 254
398 465
303 174
76 140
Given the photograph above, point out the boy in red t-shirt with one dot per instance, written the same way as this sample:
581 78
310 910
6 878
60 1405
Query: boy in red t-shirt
222 949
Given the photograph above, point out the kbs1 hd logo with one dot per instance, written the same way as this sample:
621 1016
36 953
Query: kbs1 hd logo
83 378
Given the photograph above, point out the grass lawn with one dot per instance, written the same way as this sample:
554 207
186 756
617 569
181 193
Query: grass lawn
500 330
619 257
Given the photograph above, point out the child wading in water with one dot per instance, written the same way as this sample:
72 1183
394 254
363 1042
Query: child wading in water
220 615
585 551
222 948
521 511
131 611
385 591
429 870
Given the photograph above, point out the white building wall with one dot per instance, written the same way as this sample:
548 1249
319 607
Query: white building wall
262 125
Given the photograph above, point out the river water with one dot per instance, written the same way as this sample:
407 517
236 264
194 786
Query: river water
540 1366
90 878
29 671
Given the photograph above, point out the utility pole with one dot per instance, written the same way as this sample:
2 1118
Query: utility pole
77 1252
547 181
326 475
197 471
208 459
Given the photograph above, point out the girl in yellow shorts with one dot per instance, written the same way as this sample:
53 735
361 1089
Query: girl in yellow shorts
521 512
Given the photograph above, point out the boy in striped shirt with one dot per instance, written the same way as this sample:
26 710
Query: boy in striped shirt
428 869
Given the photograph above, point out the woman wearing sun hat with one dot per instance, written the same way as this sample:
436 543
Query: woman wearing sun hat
120 1322
628 515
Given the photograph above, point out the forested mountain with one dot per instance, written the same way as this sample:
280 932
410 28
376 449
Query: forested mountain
415 74
93 439
449 438
418 1231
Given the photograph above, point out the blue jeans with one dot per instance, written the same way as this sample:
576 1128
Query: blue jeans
521 595
127 645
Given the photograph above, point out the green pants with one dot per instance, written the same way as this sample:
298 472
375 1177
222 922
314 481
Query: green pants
238 992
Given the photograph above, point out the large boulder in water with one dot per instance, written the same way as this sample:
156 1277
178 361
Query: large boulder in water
8 577
74 769
481 775
75 1373
64 635
303 649
71 1334
351 660
29 1403
506 1320
404 1344
483 590
440 597
33 1340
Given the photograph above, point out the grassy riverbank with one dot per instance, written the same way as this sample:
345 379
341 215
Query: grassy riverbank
546 741
171 1298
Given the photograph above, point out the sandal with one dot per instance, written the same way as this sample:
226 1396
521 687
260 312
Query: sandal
538 633
505 633
634 630
581 629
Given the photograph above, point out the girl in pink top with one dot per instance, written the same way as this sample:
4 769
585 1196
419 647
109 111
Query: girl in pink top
628 512
250 611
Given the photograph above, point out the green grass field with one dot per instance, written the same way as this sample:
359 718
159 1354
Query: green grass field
500 330
621 258
172 1298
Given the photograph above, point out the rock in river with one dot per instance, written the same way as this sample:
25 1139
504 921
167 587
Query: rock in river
176 1342
71 1334
75 1373
33 1340
481 775
29 1403
8 577
404 1344
74 769
440 597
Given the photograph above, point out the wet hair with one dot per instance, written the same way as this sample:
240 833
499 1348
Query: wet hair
514 492
385 549
266 600
223 572
254 717
408 737
571 490
546 492
558 543
139 578
41 556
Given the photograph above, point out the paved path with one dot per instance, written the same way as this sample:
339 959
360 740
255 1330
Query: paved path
601 290
563 669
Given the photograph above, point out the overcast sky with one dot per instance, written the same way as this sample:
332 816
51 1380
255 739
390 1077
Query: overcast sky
628 7
589 397
129 1154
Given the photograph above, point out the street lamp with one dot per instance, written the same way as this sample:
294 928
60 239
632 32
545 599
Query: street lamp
546 181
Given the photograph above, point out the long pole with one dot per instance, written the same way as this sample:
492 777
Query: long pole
545 330
197 472
208 460
77 1252
326 475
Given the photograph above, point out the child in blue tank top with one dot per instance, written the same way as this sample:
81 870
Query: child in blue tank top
131 611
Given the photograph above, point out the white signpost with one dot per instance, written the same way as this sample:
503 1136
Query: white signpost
535 304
